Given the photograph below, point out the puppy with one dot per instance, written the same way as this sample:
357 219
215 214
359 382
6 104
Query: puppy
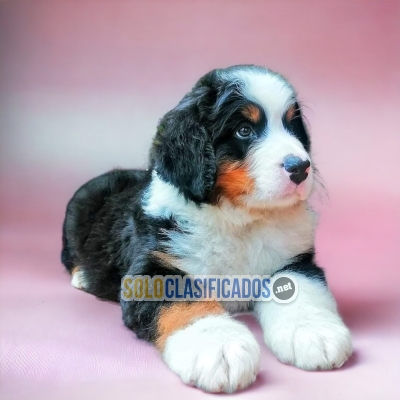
226 192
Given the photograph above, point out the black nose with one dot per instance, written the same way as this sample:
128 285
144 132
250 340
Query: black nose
297 168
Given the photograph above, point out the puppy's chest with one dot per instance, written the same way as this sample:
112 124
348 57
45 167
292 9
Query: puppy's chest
261 249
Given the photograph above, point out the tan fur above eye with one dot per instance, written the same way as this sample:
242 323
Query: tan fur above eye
290 113
252 113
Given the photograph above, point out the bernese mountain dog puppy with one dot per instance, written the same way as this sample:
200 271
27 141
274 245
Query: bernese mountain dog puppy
226 192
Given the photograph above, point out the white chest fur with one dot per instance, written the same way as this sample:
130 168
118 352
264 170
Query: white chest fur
228 240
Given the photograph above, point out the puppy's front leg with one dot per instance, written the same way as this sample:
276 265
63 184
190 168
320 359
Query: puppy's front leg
308 332
200 342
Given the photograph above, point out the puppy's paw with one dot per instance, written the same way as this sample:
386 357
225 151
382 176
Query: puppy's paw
78 279
215 353
318 341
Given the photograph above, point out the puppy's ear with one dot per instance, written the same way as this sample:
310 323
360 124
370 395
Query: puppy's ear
182 152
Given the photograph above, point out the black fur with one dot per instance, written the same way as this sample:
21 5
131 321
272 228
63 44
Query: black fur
305 264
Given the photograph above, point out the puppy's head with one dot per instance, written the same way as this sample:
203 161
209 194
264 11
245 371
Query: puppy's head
239 136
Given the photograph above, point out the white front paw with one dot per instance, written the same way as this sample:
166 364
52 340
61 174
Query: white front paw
312 342
215 353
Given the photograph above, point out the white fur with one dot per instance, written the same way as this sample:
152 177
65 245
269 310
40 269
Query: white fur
215 353
78 280
270 91
229 240
307 332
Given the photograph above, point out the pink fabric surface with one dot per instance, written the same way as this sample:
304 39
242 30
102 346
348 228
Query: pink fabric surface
82 85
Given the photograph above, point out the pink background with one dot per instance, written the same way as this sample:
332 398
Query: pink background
82 86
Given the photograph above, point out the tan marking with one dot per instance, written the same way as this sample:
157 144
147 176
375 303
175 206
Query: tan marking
233 181
75 270
283 214
167 260
290 113
180 315
252 112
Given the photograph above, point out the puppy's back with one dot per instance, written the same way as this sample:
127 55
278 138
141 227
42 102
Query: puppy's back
84 214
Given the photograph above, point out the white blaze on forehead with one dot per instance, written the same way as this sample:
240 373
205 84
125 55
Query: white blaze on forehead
268 90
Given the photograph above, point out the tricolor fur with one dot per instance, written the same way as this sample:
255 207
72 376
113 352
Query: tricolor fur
226 192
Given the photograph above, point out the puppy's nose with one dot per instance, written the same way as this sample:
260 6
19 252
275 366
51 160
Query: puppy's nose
297 168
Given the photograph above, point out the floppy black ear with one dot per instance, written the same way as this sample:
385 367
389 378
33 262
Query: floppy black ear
182 150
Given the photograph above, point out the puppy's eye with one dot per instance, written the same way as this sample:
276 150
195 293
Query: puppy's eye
244 132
